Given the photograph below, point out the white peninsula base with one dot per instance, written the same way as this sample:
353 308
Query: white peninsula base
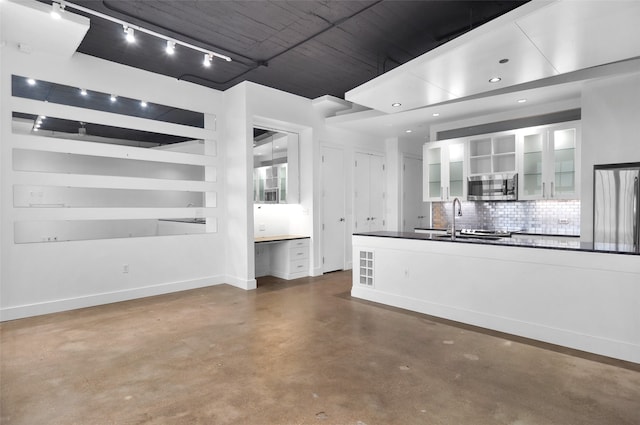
584 300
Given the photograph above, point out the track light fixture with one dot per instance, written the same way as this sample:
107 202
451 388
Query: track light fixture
128 34
129 31
171 47
207 60
56 10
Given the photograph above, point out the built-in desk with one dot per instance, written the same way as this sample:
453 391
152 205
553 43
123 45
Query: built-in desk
283 256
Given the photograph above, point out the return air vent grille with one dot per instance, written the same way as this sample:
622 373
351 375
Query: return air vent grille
366 268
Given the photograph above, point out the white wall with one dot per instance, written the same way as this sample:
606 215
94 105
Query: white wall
610 133
39 278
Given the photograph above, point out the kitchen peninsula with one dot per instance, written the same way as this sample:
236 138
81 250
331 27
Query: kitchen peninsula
568 294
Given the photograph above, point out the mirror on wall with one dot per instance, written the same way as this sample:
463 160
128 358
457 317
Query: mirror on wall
275 167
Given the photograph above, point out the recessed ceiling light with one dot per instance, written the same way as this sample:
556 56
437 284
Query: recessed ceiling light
522 100
408 131
495 79
435 114
31 81
396 104
505 60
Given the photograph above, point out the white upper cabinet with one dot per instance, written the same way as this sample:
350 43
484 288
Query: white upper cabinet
549 165
492 154
444 171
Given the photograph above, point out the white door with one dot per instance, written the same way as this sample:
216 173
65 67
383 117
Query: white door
376 193
368 193
361 193
414 210
333 207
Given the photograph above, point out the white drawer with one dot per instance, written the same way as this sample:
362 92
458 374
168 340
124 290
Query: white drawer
297 243
298 253
298 266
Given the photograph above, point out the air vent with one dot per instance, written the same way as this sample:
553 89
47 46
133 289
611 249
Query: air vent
366 268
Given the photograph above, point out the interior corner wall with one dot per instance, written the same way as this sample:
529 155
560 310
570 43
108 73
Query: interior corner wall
40 278
610 133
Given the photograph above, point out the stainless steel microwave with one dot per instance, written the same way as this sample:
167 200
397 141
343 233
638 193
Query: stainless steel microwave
493 187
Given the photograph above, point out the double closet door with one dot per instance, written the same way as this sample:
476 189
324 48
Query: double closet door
368 192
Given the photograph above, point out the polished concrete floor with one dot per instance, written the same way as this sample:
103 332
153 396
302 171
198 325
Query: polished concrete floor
297 352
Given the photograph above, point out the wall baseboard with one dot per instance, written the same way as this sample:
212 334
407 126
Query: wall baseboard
246 284
91 300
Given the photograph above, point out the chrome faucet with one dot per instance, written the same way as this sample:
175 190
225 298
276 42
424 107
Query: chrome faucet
453 221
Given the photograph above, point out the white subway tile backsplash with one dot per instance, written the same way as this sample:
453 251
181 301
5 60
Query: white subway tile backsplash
552 217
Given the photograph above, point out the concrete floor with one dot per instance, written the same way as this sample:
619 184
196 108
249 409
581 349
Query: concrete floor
297 352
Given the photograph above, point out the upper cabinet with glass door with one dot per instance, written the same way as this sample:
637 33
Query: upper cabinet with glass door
444 171
549 162
275 167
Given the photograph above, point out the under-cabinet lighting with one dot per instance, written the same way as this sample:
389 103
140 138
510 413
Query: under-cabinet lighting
113 98
31 81
143 103
83 92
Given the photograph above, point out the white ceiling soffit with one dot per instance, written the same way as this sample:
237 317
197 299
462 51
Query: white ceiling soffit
29 26
540 39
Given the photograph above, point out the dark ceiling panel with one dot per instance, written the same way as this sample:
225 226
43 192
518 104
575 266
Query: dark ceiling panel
309 48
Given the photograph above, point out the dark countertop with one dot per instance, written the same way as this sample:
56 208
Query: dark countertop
532 242
519 232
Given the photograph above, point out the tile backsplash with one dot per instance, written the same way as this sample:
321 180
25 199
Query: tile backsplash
550 217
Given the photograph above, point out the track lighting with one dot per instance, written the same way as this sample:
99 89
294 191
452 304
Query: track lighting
129 30
56 10
171 47
207 60
129 35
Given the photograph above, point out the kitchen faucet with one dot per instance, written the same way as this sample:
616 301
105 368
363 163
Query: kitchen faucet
453 220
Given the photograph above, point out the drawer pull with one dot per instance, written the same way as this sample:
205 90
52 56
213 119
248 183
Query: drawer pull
300 266
300 253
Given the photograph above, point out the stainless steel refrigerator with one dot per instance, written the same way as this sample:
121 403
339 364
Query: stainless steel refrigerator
616 207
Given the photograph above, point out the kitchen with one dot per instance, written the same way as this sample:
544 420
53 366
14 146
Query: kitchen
606 97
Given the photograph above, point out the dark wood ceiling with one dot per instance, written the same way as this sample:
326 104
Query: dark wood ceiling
309 48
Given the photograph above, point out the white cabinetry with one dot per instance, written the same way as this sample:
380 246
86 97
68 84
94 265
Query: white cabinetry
369 184
290 259
492 154
549 165
444 171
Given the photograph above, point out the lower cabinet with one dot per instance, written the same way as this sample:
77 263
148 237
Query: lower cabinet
286 259
290 259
